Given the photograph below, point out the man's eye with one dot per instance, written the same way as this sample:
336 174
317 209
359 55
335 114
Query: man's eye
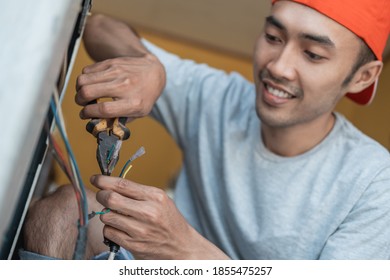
313 56
272 38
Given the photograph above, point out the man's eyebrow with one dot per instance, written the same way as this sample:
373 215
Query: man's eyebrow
275 22
322 40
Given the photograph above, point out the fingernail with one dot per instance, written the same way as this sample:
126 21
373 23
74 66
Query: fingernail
81 114
92 179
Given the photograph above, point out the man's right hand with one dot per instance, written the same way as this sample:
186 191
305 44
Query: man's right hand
133 83
126 72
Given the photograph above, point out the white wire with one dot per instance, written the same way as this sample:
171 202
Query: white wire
111 256
59 110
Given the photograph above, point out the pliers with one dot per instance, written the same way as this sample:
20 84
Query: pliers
109 134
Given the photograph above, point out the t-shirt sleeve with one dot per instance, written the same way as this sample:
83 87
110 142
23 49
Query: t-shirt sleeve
193 91
365 233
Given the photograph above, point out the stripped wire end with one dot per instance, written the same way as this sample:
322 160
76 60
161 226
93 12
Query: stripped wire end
126 167
138 153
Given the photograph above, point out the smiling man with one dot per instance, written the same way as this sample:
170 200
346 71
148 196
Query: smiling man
304 64
270 170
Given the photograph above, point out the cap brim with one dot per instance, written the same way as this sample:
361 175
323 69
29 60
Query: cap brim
364 97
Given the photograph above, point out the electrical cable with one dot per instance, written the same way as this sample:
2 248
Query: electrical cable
56 108
81 241
72 169
66 169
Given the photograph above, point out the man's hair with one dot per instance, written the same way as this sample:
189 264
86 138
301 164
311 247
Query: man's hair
365 55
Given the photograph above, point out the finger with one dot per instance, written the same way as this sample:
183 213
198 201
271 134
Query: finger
122 205
94 78
98 66
87 93
107 109
113 65
139 247
143 210
121 238
101 72
98 110
137 240
122 186
124 223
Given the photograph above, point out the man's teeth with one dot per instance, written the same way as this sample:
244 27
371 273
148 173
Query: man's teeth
278 93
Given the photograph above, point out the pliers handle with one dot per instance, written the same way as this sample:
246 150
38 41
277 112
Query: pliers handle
117 128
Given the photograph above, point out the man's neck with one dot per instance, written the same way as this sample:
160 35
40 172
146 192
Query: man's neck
296 140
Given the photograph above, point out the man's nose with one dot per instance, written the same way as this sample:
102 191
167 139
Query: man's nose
283 65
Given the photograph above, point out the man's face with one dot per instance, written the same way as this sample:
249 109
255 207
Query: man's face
301 60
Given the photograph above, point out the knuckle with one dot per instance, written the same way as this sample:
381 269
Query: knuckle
86 69
122 184
123 84
159 195
126 80
137 103
112 199
81 80
83 93
113 68
138 106
106 109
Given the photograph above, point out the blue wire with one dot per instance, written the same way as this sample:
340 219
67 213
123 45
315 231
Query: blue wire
72 157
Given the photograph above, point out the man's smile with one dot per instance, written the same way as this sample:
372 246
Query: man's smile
277 92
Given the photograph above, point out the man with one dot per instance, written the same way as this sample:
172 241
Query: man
270 171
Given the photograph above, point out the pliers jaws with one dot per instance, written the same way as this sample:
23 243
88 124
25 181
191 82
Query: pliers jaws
109 139
107 152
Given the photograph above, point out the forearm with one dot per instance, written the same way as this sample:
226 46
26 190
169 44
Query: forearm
105 38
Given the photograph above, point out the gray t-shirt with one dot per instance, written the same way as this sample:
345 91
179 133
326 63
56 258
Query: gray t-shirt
332 202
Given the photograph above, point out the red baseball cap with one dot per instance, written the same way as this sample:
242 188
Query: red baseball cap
368 19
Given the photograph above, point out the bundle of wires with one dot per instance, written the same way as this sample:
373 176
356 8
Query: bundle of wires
71 170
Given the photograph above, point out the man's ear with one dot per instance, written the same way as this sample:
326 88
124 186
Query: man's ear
365 76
